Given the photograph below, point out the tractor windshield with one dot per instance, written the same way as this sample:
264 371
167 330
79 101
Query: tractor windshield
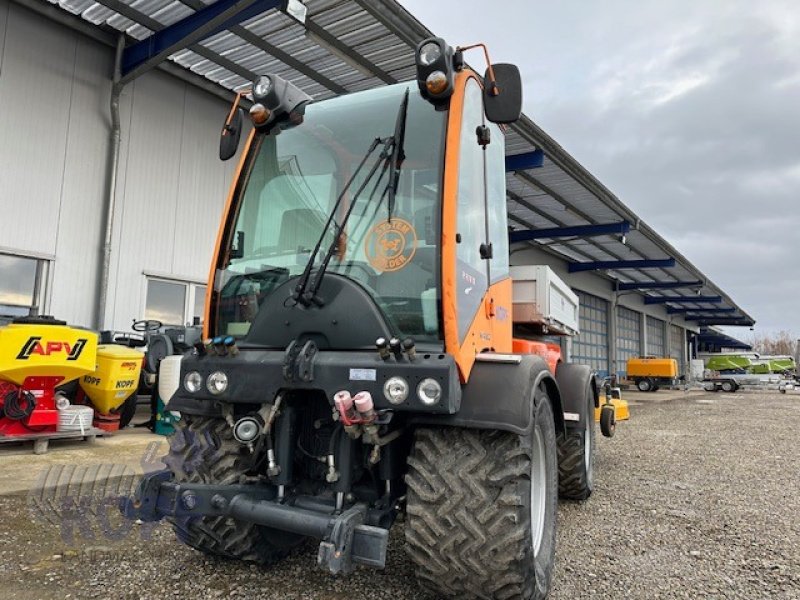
289 187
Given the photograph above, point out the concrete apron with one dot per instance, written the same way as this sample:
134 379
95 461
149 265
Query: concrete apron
81 466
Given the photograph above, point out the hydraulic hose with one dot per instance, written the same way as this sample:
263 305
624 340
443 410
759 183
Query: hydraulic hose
12 407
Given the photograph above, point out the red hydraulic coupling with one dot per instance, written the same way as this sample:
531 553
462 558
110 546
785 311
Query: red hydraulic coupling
354 410
343 402
365 406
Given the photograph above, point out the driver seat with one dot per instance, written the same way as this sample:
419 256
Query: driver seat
300 227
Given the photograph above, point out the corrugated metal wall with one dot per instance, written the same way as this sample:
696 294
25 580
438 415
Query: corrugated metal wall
656 345
54 119
172 188
53 132
590 347
629 337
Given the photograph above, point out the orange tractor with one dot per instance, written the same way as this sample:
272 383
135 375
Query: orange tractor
360 356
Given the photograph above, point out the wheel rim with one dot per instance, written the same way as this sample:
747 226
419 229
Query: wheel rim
538 491
587 446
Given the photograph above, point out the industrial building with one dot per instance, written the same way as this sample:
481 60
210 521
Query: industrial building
100 233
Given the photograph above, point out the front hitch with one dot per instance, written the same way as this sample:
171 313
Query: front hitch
345 538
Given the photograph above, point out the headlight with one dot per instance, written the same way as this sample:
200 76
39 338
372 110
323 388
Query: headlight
193 382
436 82
435 69
261 87
429 53
246 429
217 382
429 391
396 390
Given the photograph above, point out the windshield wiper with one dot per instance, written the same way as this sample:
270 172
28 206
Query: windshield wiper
398 153
301 293
391 155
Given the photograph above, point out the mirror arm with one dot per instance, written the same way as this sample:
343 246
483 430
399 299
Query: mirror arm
236 101
492 83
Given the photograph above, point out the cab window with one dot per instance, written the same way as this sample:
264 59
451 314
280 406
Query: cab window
472 275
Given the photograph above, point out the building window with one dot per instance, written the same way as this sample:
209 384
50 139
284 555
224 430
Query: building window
22 282
174 302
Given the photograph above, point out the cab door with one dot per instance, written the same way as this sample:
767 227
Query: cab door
472 270
474 256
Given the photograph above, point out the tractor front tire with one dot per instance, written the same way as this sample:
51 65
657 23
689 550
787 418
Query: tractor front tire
481 509
576 455
203 450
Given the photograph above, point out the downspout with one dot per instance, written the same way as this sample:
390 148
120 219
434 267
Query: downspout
612 337
111 189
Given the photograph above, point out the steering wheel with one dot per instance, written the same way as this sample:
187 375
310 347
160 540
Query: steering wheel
146 325
351 268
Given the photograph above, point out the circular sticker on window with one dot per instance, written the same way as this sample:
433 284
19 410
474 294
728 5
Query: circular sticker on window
391 245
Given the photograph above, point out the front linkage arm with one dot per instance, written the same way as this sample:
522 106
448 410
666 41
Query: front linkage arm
346 539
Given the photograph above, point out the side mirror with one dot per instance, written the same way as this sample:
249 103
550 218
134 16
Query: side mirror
231 134
505 106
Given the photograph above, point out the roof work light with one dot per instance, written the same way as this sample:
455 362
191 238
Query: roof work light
276 100
435 68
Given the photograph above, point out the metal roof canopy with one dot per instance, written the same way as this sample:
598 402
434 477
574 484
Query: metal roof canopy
713 340
345 46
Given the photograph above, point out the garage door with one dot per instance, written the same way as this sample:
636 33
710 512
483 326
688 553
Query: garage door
590 347
677 345
629 335
655 337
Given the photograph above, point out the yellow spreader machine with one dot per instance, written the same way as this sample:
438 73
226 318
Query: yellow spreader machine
39 356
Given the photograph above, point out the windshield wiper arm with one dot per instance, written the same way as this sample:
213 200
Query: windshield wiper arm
311 295
395 160
300 294
398 153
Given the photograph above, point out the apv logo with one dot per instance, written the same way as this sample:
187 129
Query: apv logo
34 345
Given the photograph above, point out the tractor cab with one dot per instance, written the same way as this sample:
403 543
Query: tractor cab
347 212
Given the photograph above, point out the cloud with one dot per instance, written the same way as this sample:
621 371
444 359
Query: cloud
688 111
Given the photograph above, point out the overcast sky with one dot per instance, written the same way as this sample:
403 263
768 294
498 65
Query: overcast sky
689 111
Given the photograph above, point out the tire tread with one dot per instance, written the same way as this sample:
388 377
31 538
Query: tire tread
467 525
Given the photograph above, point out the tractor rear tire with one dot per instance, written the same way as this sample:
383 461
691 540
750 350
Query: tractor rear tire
576 455
476 527
203 450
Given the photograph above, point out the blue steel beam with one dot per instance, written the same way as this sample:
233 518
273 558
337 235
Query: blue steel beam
621 264
682 299
580 231
684 310
149 52
658 285
528 160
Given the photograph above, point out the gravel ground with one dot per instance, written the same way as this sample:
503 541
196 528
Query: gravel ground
696 497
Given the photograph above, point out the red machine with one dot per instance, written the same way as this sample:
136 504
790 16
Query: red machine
38 354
